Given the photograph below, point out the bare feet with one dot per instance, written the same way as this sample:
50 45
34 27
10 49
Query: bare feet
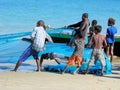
13 70
37 70
74 73
102 74
62 73
86 73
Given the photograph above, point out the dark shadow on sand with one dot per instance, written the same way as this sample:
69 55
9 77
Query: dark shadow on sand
115 77
55 72
115 72
116 67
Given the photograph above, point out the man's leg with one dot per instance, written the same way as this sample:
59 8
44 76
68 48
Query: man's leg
108 49
43 56
71 61
111 53
41 61
38 65
66 67
87 69
79 60
23 57
102 71
35 56
102 61
17 66
76 70
91 61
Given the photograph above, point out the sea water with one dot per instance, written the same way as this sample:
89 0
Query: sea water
19 16
22 15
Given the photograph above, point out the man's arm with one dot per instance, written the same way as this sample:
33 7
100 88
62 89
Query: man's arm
104 43
33 34
83 26
91 41
107 33
75 25
48 37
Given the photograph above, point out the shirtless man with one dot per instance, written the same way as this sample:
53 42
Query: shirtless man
91 29
98 53
80 28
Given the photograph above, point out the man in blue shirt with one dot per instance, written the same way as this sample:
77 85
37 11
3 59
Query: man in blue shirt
111 31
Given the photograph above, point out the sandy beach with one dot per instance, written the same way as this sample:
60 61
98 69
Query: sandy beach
28 79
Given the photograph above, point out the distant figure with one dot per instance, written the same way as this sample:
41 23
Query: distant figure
77 54
80 28
38 43
48 27
98 53
111 31
91 29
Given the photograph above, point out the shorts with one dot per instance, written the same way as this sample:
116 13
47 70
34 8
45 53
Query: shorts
110 44
73 59
97 55
27 53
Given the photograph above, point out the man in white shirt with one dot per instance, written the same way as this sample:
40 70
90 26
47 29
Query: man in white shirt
38 43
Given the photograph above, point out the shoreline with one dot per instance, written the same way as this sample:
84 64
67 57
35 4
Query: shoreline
28 79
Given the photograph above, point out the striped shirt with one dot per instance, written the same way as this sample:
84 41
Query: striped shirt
38 36
79 47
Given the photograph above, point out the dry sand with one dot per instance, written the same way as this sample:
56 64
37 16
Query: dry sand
31 80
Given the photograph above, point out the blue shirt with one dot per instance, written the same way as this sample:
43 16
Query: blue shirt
111 31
